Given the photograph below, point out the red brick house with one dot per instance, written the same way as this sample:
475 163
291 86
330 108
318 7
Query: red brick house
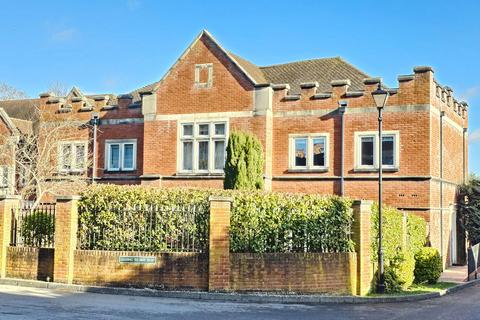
174 132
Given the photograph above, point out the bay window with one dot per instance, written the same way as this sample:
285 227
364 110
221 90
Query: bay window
202 147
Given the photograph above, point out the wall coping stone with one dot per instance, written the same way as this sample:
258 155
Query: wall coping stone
220 199
10 197
422 69
339 83
68 198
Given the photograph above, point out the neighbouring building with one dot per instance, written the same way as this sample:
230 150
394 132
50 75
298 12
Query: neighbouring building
174 132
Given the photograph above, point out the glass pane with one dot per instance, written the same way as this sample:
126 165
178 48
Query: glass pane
203 129
187 155
114 161
367 151
203 155
219 155
80 156
300 152
5 177
388 150
66 157
128 156
188 130
220 129
319 152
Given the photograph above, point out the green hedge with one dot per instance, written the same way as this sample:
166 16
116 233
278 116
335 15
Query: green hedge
398 256
38 229
428 265
260 222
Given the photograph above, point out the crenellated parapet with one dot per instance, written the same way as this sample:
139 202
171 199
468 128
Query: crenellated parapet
414 89
445 100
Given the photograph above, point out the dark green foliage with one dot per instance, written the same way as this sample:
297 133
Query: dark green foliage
38 229
260 222
244 163
398 254
428 266
393 283
469 208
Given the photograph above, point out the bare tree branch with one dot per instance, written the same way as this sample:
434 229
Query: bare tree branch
11 93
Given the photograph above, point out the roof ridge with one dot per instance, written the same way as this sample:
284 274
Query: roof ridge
300 61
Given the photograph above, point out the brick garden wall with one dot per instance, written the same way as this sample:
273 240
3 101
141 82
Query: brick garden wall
30 263
294 272
172 270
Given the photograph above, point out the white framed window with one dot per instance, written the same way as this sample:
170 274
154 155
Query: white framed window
202 146
308 151
203 75
366 150
72 156
6 177
121 155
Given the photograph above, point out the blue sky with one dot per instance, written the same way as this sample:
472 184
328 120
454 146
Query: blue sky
117 46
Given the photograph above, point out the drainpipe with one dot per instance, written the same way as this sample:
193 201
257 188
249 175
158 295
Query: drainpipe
442 114
342 107
95 121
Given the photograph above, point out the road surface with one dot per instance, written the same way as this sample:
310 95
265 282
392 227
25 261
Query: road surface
29 303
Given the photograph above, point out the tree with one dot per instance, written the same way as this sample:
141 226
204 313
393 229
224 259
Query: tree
11 93
244 164
469 208
36 156
59 89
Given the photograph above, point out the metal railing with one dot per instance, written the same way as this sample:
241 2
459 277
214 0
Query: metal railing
145 228
33 226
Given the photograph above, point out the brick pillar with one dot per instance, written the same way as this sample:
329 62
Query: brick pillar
219 244
361 236
7 203
66 226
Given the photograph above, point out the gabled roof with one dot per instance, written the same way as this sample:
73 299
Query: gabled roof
321 70
8 122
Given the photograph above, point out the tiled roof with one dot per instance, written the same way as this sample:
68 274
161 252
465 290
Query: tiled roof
24 109
321 70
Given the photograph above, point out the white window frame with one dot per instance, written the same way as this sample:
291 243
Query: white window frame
121 150
198 70
73 144
195 139
310 137
376 160
10 177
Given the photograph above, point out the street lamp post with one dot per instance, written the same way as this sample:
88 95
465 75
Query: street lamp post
380 97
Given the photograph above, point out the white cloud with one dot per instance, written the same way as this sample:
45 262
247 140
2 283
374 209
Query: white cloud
64 35
475 136
470 93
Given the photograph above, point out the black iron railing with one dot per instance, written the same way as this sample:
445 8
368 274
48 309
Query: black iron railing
145 228
33 226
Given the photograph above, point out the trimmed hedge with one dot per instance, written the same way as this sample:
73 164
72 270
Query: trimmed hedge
398 256
260 222
428 265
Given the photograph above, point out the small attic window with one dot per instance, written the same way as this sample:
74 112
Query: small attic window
203 75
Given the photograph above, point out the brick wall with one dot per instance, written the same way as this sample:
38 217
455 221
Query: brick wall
172 270
294 272
30 263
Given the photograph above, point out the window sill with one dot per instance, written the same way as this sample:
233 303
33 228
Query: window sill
119 171
315 170
373 170
187 175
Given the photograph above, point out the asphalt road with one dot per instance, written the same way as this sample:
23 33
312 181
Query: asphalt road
29 303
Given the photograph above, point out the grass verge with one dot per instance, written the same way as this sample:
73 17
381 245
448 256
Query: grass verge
419 289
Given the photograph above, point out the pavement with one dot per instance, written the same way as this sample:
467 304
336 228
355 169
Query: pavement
455 274
39 303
